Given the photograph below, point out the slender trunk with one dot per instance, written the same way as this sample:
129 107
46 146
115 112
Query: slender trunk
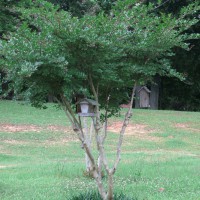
121 136
110 195
100 187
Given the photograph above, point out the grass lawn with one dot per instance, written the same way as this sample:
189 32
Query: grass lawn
40 157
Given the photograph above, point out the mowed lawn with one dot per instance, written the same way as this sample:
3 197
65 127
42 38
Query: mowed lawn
41 158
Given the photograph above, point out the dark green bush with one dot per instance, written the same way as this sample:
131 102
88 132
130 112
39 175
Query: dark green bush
93 195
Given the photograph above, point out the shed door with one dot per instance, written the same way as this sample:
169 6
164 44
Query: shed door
144 99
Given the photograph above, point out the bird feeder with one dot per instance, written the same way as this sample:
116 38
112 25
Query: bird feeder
87 107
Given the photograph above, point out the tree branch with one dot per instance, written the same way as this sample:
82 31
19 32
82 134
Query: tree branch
125 123
95 93
93 88
64 108
106 120
162 4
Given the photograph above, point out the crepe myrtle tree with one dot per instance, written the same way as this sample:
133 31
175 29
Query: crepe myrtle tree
96 56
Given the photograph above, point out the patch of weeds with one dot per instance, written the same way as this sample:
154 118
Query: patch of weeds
90 174
175 143
137 176
164 135
4 157
6 190
60 169
94 195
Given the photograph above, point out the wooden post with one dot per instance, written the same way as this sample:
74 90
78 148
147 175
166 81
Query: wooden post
88 132
86 135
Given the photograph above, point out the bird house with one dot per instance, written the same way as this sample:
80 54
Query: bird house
144 97
87 107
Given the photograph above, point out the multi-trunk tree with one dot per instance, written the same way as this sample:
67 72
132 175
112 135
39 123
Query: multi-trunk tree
97 56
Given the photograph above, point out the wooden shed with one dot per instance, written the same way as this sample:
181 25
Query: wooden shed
144 97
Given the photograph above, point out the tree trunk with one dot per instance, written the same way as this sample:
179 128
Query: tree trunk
137 97
110 195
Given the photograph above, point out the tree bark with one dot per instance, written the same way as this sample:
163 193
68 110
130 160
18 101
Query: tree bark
137 97
125 124
110 195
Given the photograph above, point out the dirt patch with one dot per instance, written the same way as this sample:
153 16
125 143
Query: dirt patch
6 166
140 131
63 141
4 151
162 152
46 143
130 129
2 166
13 128
186 126
55 128
16 142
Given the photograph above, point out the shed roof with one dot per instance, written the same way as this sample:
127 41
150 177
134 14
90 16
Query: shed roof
90 101
144 88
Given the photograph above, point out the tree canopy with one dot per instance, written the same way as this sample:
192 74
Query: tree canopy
54 52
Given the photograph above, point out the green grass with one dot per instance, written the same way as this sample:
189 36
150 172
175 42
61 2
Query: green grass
161 165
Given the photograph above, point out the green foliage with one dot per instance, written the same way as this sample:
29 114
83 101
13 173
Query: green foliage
77 8
55 53
80 8
106 5
7 16
38 60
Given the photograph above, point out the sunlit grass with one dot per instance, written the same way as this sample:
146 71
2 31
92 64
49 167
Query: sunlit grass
163 164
